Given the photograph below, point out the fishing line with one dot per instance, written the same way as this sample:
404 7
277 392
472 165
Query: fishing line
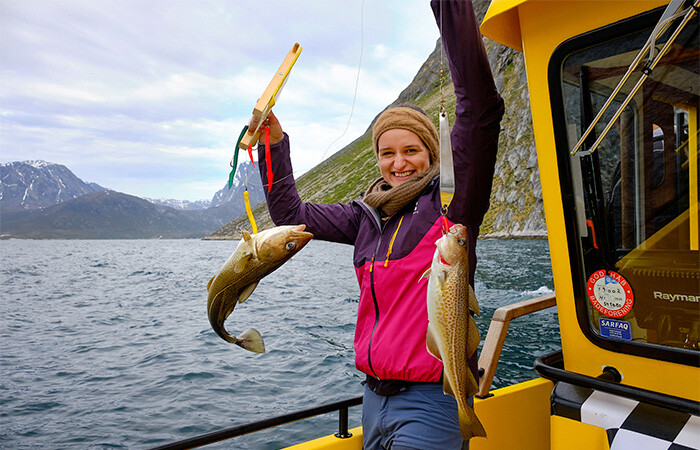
447 177
354 98
442 52
357 79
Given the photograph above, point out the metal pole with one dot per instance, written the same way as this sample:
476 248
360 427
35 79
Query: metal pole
343 432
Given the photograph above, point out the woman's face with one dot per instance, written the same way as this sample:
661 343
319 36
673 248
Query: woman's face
402 156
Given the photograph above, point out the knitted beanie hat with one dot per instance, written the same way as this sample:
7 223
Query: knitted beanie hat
408 118
381 194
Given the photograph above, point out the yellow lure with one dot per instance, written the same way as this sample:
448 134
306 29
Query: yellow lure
248 211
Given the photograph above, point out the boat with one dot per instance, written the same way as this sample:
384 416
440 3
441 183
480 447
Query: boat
614 98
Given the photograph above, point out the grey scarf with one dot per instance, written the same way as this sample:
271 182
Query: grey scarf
389 199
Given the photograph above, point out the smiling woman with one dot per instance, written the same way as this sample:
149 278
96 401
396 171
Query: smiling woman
394 229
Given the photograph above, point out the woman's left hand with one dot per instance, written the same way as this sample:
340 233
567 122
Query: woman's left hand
276 133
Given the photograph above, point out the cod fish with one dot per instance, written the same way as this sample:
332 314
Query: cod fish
452 335
255 257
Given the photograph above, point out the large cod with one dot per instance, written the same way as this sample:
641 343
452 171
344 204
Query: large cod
452 335
255 257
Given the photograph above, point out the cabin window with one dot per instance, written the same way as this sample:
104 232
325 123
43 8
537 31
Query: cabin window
632 203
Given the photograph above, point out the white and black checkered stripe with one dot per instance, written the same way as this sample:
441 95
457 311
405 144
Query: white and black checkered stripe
629 423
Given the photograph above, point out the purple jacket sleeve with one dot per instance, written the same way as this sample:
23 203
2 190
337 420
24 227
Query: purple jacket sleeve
479 110
329 222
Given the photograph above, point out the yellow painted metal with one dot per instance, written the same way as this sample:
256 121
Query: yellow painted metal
502 23
542 27
569 434
515 416
333 443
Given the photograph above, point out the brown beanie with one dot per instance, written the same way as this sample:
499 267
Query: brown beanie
392 199
408 119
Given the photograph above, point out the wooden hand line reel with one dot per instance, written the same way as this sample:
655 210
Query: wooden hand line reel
251 132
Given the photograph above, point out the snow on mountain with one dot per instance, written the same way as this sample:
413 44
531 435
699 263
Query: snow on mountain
27 185
185 205
246 176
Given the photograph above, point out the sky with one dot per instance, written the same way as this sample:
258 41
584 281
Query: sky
148 97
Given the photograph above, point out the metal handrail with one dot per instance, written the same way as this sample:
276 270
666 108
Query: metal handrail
496 336
228 433
490 354
551 366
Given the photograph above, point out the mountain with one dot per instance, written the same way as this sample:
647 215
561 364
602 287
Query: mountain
247 177
41 200
516 209
186 205
26 185
108 215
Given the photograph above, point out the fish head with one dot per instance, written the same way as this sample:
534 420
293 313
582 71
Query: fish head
453 246
279 244
255 257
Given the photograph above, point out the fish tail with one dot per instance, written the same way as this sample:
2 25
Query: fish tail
251 340
469 424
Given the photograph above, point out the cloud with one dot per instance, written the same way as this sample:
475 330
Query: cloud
125 92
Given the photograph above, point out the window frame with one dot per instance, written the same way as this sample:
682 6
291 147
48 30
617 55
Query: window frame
599 36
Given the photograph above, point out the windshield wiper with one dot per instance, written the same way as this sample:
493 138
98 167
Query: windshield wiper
669 15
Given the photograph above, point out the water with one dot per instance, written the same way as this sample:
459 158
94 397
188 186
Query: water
107 344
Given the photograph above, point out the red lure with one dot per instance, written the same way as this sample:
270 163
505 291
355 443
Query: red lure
267 159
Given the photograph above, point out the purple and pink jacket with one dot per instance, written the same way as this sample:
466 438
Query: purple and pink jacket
391 255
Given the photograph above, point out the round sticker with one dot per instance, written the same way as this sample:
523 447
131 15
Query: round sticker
610 293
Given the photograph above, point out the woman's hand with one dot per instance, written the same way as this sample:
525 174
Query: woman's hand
276 133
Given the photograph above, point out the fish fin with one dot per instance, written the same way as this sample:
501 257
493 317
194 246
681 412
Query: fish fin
251 340
210 282
473 302
431 343
472 384
469 424
441 279
246 291
426 274
473 337
242 261
246 236
447 388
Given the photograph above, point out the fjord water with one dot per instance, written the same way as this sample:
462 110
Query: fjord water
107 343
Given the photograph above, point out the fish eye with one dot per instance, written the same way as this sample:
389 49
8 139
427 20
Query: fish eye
291 245
462 242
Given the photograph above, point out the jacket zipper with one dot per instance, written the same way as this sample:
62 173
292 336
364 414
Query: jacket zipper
376 318
374 299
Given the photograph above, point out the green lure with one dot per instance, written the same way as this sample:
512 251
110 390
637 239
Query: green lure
234 162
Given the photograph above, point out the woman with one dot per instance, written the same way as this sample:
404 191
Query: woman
393 231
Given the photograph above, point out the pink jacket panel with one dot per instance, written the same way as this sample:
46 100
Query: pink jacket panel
390 339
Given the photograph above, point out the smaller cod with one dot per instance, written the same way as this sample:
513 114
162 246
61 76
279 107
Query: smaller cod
255 257
452 335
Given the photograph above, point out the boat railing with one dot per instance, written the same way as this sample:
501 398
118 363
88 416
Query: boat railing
488 361
496 336
228 433
551 366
